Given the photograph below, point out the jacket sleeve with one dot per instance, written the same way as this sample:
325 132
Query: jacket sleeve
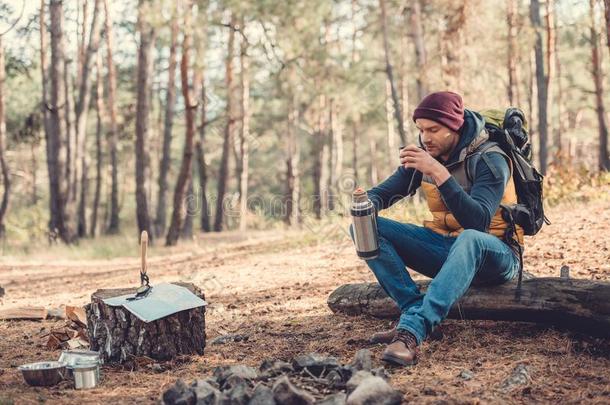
392 189
476 210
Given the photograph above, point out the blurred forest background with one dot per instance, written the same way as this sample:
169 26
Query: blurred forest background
202 115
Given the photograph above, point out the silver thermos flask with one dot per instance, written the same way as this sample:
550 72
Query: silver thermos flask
364 225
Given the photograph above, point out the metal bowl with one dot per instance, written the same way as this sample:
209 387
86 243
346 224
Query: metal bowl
43 373
74 357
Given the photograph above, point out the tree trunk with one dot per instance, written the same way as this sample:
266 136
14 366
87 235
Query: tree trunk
99 102
200 47
404 65
71 171
417 33
191 209
223 170
244 140
355 141
604 158
531 97
452 41
390 74
81 37
44 108
185 174
550 61
119 335
201 164
513 74
560 128
541 84
335 161
390 134
113 138
59 222
356 117
44 80
373 172
292 164
6 176
566 303
607 15
170 102
81 110
34 154
142 118
84 192
320 157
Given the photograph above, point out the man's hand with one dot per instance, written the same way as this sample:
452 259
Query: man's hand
417 158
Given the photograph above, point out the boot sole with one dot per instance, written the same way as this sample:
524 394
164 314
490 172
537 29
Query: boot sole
397 361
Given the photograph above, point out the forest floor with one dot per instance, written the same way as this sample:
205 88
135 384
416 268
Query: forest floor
273 286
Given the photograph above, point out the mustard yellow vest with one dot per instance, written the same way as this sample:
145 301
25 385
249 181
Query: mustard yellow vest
443 221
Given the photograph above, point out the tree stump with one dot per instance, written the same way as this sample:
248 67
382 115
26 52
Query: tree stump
119 335
575 304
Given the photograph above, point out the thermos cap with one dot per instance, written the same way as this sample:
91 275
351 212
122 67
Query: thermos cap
359 195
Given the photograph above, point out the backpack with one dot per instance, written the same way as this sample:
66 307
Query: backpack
508 130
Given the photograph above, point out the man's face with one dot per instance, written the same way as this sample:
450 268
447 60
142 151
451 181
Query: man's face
438 140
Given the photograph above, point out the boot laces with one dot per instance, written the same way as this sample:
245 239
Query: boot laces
407 338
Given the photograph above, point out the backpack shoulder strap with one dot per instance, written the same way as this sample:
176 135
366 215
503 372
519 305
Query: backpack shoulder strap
481 153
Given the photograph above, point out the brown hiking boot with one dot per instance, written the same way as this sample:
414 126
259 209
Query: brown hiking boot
383 337
403 350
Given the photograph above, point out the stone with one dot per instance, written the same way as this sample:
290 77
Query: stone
373 390
272 368
212 381
519 376
346 372
205 393
466 375
233 381
262 396
237 394
286 393
220 340
335 399
175 393
334 378
315 363
356 380
363 360
188 398
380 372
222 373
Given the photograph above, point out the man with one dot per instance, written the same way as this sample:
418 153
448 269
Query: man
464 243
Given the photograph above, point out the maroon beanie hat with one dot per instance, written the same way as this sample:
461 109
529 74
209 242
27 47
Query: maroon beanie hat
444 107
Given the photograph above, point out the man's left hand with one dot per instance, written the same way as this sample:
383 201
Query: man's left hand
414 157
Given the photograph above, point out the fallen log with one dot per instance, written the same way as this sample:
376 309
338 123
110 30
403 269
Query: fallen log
574 304
120 336
23 313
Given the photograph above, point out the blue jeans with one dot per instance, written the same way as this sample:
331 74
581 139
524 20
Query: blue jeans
454 263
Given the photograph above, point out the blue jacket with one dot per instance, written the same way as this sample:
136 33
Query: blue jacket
472 211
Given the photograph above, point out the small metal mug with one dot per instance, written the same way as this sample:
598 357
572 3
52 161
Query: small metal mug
86 375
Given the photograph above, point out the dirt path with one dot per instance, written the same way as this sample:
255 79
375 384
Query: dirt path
272 286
